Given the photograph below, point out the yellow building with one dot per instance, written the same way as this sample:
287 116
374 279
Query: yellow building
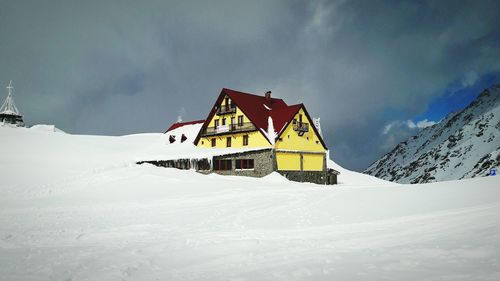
267 135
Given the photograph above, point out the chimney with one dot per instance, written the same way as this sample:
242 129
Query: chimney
268 96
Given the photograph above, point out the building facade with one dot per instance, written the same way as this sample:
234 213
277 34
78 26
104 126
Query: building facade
272 136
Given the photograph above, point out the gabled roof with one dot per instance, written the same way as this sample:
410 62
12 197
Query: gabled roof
282 116
180 124
258 109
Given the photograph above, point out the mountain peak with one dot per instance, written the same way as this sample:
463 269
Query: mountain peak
464 144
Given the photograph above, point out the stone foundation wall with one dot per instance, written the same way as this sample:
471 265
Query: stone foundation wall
263 163
181 164
318 177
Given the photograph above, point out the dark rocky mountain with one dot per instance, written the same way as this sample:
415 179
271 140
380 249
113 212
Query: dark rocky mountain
465 144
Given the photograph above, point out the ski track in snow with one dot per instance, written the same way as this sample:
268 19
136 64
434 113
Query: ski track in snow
102 218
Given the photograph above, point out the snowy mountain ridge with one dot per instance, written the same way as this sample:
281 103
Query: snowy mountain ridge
465 144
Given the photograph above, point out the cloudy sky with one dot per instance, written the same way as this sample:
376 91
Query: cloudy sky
374 71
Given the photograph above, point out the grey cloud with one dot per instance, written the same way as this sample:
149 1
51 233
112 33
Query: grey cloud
120 67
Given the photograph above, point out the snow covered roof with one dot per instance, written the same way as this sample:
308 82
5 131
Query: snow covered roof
184 132
180 124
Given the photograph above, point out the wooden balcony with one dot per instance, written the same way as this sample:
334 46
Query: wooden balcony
301 127
226 109
228 129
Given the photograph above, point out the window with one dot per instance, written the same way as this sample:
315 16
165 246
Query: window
228 141
244 164
183 138
171 139
226 101
245 140
240 120
223 165
214 142
300 118
232 127
216 123
223 121
203 164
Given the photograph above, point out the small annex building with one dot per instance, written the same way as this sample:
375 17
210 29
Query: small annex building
277 137
181 135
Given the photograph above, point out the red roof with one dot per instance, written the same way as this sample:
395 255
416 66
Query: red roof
258 109
180 124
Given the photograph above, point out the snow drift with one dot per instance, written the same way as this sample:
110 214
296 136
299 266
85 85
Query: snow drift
77 208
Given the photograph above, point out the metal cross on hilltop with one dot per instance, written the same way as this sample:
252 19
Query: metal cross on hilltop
9 106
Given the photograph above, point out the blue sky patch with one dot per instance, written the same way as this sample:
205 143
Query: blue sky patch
456 97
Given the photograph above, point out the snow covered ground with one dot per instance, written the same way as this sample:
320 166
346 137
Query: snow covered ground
77 208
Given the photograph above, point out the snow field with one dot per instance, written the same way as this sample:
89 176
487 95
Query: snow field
77 208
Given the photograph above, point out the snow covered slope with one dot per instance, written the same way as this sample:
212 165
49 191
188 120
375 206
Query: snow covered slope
77 208
465 144
351 178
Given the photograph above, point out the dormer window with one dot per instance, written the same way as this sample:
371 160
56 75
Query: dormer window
226 107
